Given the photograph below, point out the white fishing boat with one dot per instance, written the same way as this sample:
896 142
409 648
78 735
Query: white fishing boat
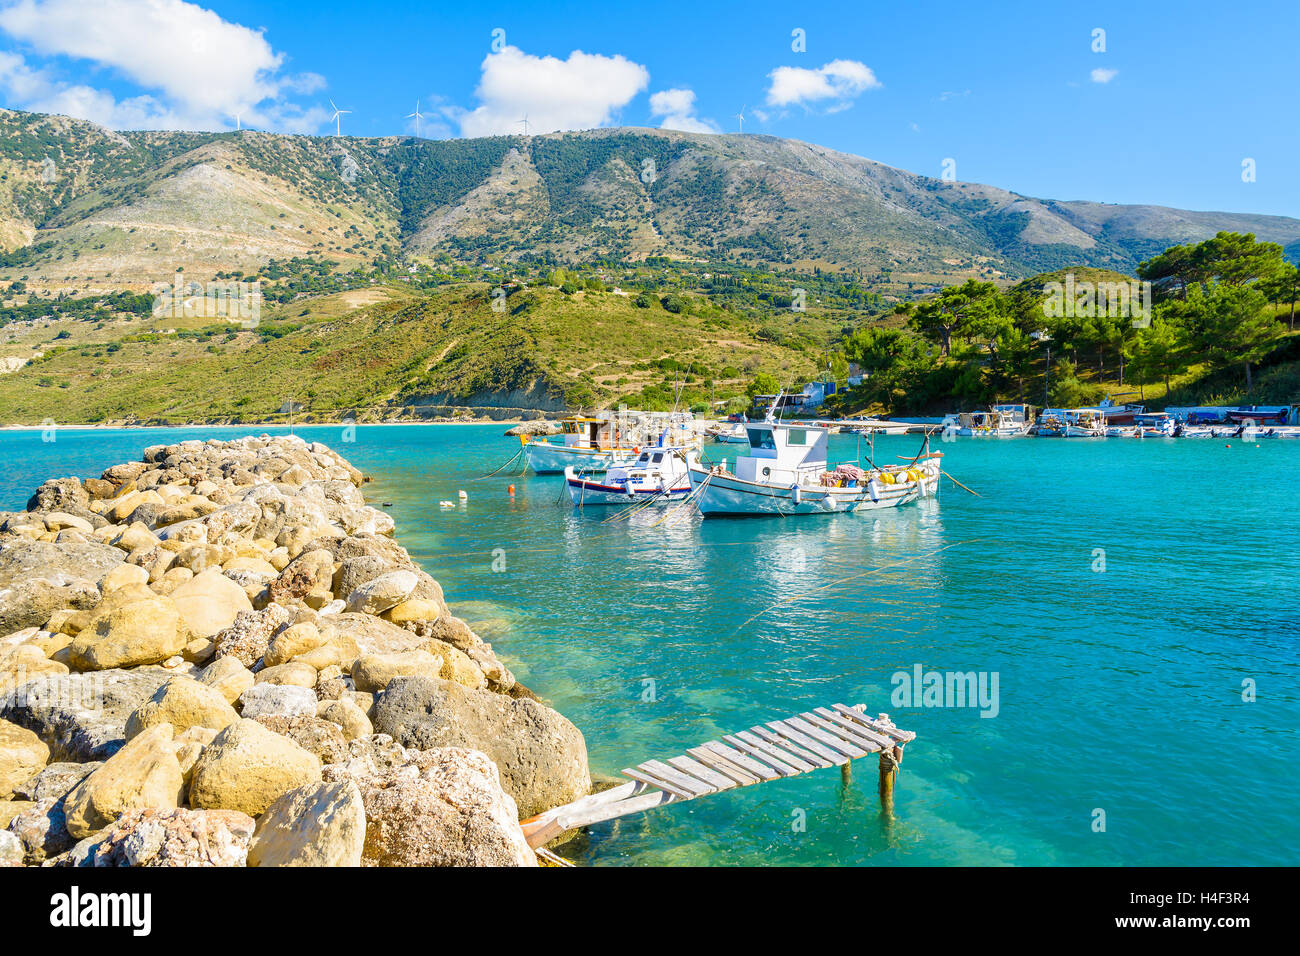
728 433
786 473
591 445
1154 425
1121 431
1086 424
655 476
1000 421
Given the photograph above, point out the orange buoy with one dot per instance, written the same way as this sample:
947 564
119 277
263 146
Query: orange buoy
511 491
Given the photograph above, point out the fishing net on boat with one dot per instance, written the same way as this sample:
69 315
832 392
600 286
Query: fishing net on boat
843 475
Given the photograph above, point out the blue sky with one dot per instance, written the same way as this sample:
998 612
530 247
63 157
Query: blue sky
1014 94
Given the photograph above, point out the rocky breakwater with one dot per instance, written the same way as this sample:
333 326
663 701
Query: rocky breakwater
219 656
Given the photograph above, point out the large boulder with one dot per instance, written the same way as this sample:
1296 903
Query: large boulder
374 635
22 756
182 702
42 829
148 631
249 635
248 767
278 700
209 602
541 755
444 808
313 734
176 837
372 672
55 781
38 578
144 773
379 594
320 824
228 677
82 717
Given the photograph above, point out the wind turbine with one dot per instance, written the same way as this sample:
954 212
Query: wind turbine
237 126
417 114
337 123
525 122
741 116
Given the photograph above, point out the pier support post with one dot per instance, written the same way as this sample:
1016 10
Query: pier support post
846 773
889 761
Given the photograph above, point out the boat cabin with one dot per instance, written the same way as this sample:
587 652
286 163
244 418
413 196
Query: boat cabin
1014 414
781 453
582 432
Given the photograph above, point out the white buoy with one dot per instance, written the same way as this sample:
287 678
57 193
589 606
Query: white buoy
462 496
447 504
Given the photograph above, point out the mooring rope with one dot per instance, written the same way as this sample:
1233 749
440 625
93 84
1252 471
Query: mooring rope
491 474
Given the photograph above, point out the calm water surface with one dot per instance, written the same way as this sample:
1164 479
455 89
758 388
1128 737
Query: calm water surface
1120 690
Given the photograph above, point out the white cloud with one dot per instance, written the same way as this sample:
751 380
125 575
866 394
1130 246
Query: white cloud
1103 75
582 92
195 70
839 82
677 107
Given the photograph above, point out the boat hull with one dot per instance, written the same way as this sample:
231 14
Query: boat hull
545 458
588 491
727 495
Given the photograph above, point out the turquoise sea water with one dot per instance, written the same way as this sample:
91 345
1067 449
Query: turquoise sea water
1118 690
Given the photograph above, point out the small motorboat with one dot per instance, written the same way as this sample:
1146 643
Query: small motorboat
656 475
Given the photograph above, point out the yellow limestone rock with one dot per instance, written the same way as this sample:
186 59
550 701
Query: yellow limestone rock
248 767
144 773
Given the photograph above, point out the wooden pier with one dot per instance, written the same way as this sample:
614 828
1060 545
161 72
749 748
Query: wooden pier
822 737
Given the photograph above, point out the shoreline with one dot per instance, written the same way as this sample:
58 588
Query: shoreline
225 641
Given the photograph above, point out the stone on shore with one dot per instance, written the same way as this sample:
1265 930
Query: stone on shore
228 677
144 773
313 734
40 577
247 767
55 781
82 717
379 594
184 703
177 837
278 700
541 755
372 672
249 635
11 850
320 824
141 632
42 829
445 808
209 602
22 756
351 718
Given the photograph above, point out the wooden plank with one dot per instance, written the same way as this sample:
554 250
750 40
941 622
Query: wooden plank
879 741
636 773
782 752
902 736
777 764
783 743
724 766
746 763
683 780
701 772
848 734
829 740
792 733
